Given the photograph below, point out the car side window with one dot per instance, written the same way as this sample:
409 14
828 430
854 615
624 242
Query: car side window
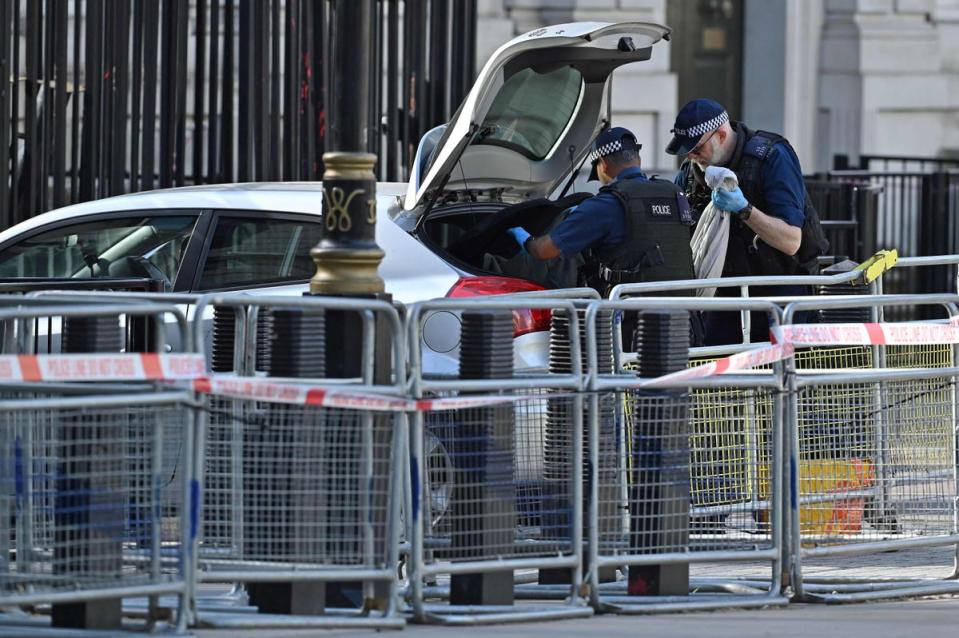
248 251
116 247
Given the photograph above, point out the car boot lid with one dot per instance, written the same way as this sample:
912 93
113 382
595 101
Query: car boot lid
531 114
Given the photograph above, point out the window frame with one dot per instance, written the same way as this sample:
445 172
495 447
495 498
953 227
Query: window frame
259 215
180 283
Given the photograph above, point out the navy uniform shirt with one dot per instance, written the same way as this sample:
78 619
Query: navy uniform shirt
785 194
783 185
599 222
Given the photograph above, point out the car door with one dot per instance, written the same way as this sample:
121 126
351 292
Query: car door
151 244
122 244
255 249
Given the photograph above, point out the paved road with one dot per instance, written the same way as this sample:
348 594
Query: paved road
931 617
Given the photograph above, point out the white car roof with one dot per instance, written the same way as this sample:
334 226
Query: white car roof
411 271
287 197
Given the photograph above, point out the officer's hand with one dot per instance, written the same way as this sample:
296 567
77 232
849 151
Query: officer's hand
520 235
732 201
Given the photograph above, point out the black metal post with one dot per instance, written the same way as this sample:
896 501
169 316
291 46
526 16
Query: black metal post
557 468
285 516
393 136
347 257
935 239
5 122
89 507
659 481
483 505
438 62
348 110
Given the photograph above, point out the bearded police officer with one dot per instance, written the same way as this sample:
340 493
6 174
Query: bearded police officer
635 229
774 228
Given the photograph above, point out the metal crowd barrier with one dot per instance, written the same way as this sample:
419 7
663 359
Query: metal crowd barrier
96 479
824 462
497 471
697 527
301 492
873 447
868 275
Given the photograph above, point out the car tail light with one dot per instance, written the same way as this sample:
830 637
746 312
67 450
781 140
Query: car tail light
524 320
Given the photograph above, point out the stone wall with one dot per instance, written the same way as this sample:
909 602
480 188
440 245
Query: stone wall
888 78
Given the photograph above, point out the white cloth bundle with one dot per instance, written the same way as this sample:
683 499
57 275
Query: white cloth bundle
712 231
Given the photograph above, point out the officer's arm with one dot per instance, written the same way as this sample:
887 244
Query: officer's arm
542 247
784 193
775 231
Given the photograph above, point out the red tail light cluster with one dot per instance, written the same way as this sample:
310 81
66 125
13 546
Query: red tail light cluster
524 320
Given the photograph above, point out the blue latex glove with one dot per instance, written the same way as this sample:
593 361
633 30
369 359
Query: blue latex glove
732 201
520 235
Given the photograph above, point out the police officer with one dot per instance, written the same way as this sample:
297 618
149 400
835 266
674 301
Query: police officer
774 230
635 229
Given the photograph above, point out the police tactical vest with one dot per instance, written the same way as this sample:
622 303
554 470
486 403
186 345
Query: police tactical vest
657 233
746 254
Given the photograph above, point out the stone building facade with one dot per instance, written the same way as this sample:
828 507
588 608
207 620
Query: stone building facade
834 76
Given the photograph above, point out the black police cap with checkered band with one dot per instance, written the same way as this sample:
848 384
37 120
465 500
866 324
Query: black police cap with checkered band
695 119
612 140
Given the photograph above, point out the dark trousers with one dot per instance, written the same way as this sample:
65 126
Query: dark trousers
724 328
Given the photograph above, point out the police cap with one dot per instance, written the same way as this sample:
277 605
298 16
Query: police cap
697 118
612 140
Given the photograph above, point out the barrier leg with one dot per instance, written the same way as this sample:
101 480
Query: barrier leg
280 513
659 491
484 506
89 503
557 504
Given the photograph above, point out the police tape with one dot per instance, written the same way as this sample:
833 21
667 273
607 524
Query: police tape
259 389
101 367
733 363
192 368
869 334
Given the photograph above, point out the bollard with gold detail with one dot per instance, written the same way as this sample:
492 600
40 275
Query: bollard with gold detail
346 260
346 265
347 257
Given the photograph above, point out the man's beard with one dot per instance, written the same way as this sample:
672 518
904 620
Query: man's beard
715 158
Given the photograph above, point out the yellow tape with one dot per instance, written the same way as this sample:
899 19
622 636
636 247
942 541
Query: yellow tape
879 263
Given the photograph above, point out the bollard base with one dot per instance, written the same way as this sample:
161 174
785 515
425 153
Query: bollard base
302 598
491 588
658 580
94 614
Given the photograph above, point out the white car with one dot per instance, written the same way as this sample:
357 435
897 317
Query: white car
516 139
506 158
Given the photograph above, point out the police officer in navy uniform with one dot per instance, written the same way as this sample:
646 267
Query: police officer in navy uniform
635 229
774 230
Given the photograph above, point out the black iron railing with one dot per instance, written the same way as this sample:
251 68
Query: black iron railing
849 213
870 162
99 98
917 213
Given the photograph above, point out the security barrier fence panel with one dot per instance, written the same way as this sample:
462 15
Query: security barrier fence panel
497 470
865 278
691 514
95 488
307 472
96 468
301 469
874 452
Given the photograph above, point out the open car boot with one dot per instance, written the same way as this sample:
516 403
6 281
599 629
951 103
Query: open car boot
490 246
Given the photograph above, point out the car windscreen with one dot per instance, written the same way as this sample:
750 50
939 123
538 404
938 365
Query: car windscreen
532 110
